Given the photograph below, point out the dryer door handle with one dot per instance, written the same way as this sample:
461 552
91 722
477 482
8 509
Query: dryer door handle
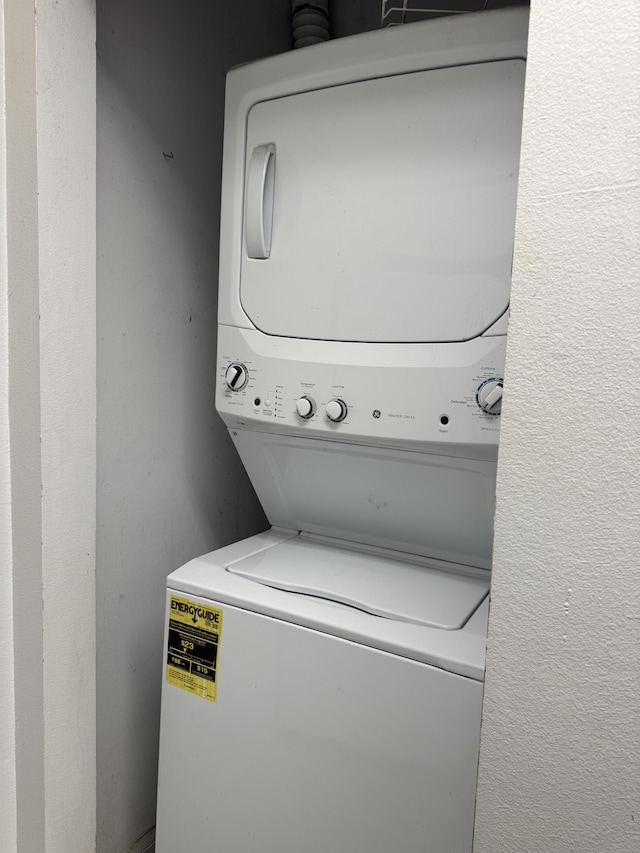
258 217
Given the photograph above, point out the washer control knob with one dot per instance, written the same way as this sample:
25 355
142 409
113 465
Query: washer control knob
489 396
306 407
236 376
336 410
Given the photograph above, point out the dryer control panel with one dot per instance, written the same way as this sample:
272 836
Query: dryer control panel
441 396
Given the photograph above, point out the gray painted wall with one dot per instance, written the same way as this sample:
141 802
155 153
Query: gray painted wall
170 485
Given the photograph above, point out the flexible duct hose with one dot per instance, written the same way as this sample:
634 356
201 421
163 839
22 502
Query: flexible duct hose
310 22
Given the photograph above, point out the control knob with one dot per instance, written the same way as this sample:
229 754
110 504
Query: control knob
236 376
489 396
336 410
305 407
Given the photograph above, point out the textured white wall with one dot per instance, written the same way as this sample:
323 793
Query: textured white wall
24 418
66 93
560 754
8 810
48 59
170 485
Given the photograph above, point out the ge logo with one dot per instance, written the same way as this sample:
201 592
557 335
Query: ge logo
376 413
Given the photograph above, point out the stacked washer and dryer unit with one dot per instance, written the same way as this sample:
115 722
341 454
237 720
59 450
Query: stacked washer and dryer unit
323 680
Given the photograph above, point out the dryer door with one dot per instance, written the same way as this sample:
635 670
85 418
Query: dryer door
384 210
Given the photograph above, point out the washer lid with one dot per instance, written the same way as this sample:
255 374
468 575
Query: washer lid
384 210
418 593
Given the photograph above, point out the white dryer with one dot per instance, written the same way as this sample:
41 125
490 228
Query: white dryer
323 681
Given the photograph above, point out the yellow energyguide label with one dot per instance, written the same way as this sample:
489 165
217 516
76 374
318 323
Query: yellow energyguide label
195 630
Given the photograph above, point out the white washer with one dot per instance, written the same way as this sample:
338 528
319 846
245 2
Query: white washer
323 680
333 729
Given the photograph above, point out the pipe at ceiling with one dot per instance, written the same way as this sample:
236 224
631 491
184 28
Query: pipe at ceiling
310 22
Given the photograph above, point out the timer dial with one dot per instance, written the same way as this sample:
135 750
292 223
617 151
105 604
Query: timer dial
489 396
305 407
236 376
336 410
